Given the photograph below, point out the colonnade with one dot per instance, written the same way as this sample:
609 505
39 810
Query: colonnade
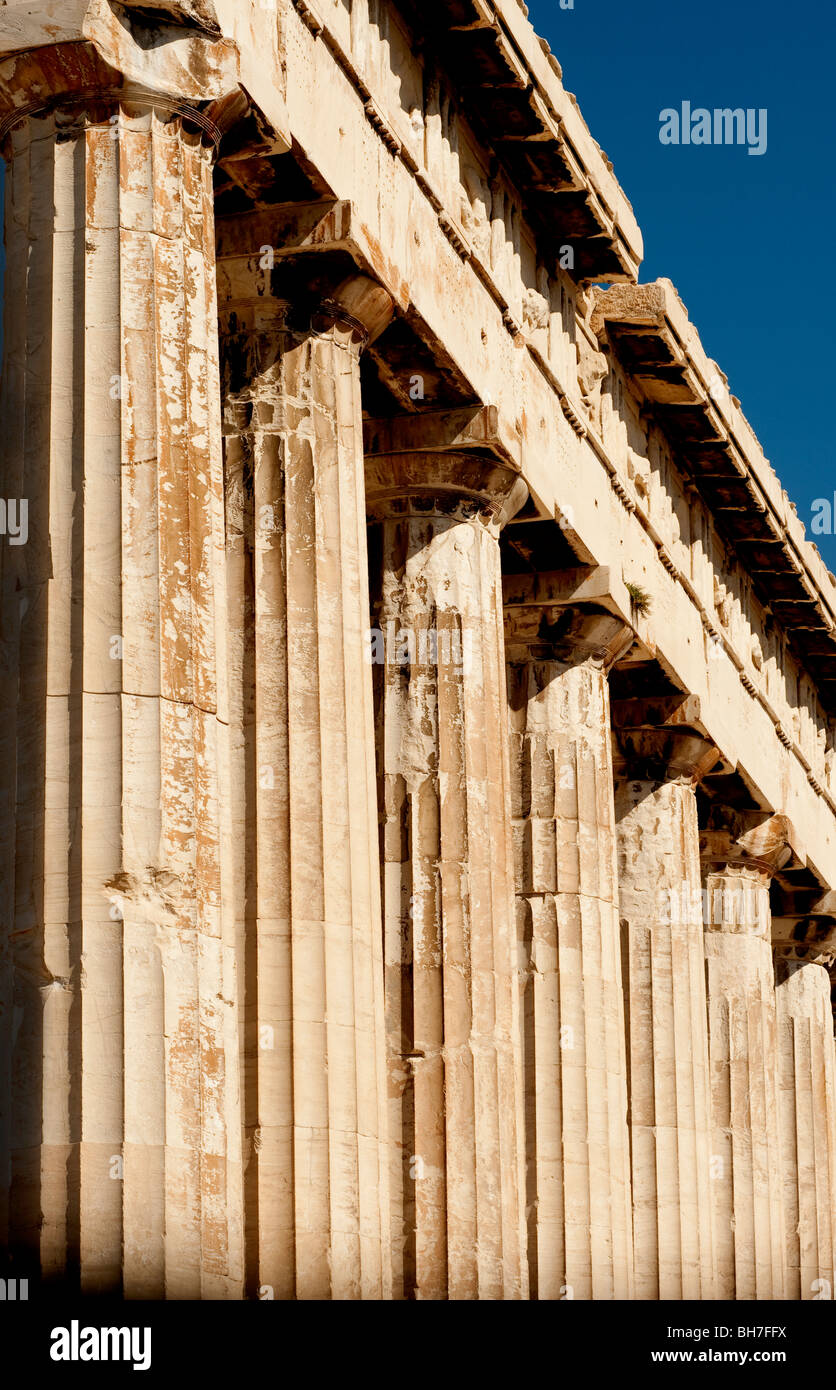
355 944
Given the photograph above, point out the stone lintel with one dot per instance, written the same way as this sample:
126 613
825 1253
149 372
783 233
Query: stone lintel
201 13
60 53
479 427
544 141
287 228
655 712
567 588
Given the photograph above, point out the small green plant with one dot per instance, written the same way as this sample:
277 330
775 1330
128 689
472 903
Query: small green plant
639 599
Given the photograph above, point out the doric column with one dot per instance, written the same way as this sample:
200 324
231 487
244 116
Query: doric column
302 776
579 1226
804 949
122 1127
660 757
451 1000
738 863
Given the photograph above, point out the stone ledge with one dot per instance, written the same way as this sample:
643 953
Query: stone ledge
560 171
659 348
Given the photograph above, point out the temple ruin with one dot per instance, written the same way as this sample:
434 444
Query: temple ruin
417 693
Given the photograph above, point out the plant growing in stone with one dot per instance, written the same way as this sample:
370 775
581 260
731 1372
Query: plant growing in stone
639 599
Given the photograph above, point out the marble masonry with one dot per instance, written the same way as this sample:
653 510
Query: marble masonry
417 692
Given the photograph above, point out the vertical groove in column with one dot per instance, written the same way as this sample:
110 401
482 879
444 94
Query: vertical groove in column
452 1011
303 754
12 406
510 1099
124 982
670 1112
746 1163
99 963
807 1091
575 1077
145 1136
29 198
243 760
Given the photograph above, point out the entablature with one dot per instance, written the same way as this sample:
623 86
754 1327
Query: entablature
512 92
713 446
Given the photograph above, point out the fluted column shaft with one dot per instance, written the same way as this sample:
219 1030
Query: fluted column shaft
121 1124
660 897
746 1161
307 882
807 1091
579 1225
451 1002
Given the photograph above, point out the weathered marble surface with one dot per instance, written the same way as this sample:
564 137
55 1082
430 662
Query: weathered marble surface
417 722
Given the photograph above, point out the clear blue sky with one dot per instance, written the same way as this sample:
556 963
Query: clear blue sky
745 239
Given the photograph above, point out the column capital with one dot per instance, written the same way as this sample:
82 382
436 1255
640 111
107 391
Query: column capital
790 955
257 326
570 636
465 486
747 840
200 84
804 925
171 48
253 301
359 304
86 57
741 851
662 739
571 616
